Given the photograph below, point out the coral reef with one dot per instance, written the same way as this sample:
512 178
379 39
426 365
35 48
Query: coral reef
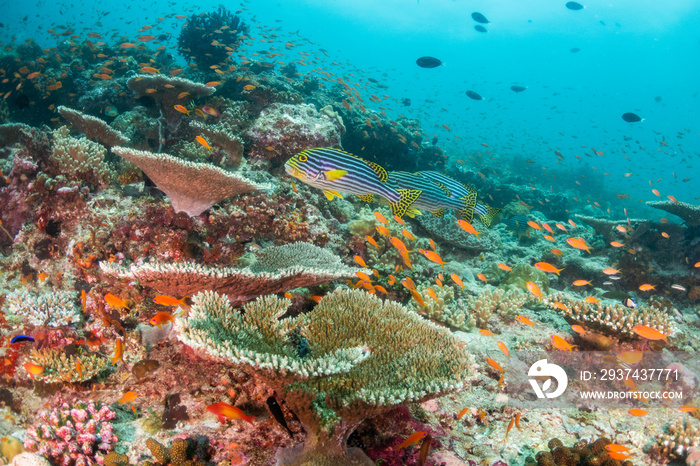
191 187
277 269
221 136
93 128
690 213
283 130
54 309
680 436
582 453
72 365
447 230
207 38
81 159
73 435
365 357
521 274
613 318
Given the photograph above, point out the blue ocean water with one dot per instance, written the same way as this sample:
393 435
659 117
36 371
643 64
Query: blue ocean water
641 57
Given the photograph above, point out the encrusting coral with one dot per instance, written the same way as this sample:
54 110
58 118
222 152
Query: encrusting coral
191 187
93 128
364 357
277 269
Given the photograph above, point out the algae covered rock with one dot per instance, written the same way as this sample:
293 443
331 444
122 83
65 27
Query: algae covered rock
523 273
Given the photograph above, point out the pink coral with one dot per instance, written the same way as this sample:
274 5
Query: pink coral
65 438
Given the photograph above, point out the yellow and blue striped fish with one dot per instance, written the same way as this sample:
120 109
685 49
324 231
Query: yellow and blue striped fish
335 171
485 213
432 198
454 190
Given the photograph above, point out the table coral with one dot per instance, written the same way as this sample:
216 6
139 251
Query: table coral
54 309
191 187
366 357
690 213
93 128
277 269
73 435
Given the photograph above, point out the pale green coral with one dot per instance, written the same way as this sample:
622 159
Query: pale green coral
366 357
62 367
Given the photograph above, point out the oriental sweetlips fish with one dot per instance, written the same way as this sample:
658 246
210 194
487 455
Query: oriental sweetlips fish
432 197
335 171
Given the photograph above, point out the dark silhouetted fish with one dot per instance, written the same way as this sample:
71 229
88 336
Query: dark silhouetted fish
616 295
517 223
428 62
276 411
474 95
575 50
479 18
657 98
630 117
517 88
480 28
574 6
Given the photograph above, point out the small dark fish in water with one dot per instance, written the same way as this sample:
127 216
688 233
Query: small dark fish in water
406 102
277 413
428 62
474 95
517 88
479 18
21 338
162 37
434 141
574 6
657 98
575 50
631 117
617 295
630 302
480 28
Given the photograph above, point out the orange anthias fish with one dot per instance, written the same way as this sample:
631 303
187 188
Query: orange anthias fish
618 455
579 243
181 109
610 271
504 267
649 333
616 244
638 412
524 320
371 241
502 346
128 397
647 287
546 267
433 257
115 302
33 369
360 261
486 333
455 278
462 413
118 352
581 282
466 226
203 142
688 409
413 438
166 300
559 343
398 244
578 329
161 319
616 447
381 218
226 411
494 365
534 290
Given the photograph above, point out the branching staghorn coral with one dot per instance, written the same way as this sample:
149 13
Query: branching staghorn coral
365 357
277 269
612 318
81 159
54 309
191 187
62 367
93 128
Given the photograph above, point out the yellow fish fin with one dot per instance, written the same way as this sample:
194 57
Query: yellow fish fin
366 197
332 175
412 212
379 170
406 198
331 194
440 213
491 212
